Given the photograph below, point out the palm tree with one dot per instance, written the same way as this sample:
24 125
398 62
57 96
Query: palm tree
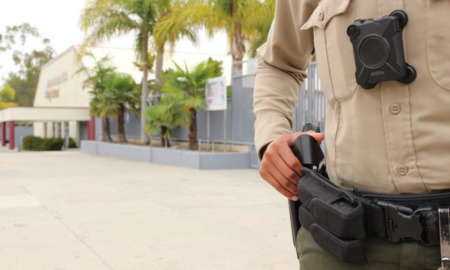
96 82
237 17
172 25
99 109
164 117
121 94
185 88
261 25
108 18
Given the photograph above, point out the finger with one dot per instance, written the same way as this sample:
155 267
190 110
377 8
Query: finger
291 161
288 173
279 175
292 137
272 180
281 156
269 170
317 136
288 182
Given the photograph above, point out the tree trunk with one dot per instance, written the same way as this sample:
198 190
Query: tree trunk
159 65
106 129
164 141
144 96
238 47
103 129
193 144
158 70
121 123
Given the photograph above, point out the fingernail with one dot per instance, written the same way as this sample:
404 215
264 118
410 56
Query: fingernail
294 198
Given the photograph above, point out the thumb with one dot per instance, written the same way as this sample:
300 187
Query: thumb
317 136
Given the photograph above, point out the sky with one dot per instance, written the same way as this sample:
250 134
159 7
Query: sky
58 20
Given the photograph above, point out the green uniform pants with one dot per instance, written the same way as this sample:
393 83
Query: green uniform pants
380 255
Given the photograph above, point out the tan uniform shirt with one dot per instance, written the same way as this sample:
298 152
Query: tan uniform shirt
394 138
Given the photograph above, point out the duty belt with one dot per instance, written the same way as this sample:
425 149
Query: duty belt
404 217
340 220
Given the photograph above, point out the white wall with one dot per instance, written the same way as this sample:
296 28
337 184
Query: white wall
38 129
59 86
74 131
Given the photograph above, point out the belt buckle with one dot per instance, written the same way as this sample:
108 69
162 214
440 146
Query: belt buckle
402 223
444 232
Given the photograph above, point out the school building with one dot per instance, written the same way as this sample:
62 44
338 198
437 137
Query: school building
61 103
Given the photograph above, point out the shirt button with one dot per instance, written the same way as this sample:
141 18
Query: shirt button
321 15
395 108
402 170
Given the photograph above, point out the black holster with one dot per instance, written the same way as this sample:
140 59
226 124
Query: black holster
309 153
332 216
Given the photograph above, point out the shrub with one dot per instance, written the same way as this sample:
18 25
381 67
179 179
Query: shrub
35 143
72 143
32 143
52 144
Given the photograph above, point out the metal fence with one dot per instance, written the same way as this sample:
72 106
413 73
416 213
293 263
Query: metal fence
239 119
311 104
242 104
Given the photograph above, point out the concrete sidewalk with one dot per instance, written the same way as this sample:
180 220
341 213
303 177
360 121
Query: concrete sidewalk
67 210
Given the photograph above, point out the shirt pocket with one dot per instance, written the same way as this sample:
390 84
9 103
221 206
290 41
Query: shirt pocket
438 41
334 51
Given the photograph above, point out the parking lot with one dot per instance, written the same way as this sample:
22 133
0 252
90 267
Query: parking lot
67 210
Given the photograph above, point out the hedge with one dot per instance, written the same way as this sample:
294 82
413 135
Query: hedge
35 143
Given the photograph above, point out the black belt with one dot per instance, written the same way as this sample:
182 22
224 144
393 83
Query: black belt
403 217
339 220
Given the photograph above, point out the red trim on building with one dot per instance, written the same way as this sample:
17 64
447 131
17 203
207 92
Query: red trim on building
11 135
91 129
3 133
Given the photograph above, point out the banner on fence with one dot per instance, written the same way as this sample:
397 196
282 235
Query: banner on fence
216 94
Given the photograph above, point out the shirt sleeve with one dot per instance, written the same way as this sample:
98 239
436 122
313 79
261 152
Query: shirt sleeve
284 61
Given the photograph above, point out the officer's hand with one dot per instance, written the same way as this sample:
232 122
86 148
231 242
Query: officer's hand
280 167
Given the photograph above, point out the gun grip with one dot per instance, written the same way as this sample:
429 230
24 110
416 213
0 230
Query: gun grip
308 151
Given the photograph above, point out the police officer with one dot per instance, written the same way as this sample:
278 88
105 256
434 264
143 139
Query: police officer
391 139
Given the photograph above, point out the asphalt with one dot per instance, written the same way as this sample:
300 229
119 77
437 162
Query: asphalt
68 210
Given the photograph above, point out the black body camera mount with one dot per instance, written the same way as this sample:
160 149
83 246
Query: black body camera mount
378 50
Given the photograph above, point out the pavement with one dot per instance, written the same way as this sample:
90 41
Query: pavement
68 210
